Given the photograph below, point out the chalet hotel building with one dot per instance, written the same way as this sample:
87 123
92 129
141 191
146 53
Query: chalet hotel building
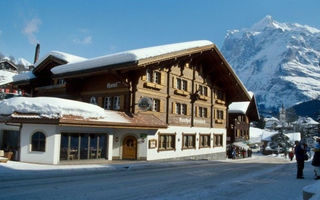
174 96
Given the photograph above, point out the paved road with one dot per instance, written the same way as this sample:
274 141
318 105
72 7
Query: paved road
256 178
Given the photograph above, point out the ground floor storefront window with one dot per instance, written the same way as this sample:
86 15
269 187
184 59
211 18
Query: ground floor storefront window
82 146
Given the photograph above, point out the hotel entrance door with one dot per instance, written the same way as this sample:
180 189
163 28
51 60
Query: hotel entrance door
129 148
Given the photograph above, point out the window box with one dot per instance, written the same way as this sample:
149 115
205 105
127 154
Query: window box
153 85
219 121
181 92
203 97
219 101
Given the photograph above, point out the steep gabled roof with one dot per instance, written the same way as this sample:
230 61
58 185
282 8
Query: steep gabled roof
137 56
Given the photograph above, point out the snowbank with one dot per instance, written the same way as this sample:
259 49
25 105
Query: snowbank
128 56
313 189
53 108
6 77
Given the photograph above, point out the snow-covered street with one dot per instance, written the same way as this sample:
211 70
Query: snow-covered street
260 177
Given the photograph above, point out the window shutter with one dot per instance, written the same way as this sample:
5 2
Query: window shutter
173 107
189 86
163 78
100 102
187 108
173 82
144 76
196 111
161 106
122 102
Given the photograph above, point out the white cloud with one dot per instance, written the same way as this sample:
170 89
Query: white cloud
31 28
85 40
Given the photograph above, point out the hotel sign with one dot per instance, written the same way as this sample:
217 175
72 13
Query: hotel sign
113 85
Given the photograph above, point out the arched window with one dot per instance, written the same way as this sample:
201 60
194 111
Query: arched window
93 100
38 142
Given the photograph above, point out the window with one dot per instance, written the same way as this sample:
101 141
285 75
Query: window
61 81
219 114
188 141
182 84
167 141
218 140
116 103
156 105
205 141
38 142
93 100
107 103
203 90
153 76
181 109
220 95
203 112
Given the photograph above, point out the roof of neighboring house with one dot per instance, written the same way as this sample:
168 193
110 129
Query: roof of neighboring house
68 58
70 112
6 77
248 108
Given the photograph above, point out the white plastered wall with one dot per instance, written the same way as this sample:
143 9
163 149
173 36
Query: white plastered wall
154 154
52 148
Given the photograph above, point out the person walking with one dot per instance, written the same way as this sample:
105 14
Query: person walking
299 152
291 155
316 160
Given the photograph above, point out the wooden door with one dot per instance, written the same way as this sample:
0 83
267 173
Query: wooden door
129 148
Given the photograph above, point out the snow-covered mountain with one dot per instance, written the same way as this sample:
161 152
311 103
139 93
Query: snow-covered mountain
279 62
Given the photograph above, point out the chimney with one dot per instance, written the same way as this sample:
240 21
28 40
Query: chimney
36 55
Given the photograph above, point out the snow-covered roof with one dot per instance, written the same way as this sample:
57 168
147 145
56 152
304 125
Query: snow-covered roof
69 58
306 121
271 119
294 136
24 76
261 133
6 77
239 107
53 108
128 56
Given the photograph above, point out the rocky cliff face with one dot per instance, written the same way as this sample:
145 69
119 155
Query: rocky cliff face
279 62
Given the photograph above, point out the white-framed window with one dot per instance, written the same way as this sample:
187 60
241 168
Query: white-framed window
203 112
107 103
156 105
116 103
203 90
38 142
93 100
153 76
61 81
182 84
181 109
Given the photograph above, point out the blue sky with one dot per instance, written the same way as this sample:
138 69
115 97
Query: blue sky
91 28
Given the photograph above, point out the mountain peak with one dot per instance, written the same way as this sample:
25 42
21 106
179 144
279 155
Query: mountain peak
268 22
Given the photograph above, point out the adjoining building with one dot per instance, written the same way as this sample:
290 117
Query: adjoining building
173 97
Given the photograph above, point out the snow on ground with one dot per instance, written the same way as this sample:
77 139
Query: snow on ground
259 177
52 108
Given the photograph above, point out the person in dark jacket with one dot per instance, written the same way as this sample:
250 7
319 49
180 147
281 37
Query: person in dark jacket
316 160
299 152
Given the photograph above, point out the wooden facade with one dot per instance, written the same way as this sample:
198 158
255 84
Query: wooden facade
190 88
